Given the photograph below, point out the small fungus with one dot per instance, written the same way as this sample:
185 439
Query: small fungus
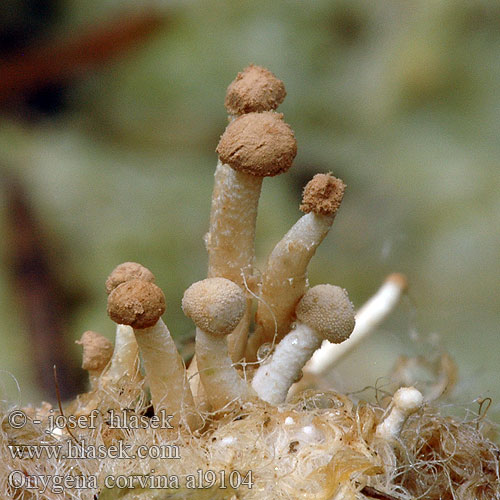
406 401
140 304
284 279
324 313
216 306
253 146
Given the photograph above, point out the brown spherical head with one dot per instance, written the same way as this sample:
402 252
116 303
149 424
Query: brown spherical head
97 351
126 272
137 303
328 311
323 195
260 144
254 89
216 305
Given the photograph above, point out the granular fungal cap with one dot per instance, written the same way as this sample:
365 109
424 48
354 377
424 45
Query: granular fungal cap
97 351
137 303
323 194
126 272
260 144
216 305
254 89
328 311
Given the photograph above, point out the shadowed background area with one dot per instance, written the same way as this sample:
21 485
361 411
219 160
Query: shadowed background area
110 115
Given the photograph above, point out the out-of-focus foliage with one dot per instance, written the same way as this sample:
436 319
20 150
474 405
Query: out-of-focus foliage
399 99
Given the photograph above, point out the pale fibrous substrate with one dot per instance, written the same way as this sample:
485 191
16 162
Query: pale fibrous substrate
235 423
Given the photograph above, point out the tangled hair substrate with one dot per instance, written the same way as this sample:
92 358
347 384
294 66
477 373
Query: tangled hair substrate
320 445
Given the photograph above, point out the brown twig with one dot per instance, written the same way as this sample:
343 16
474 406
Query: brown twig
379 495
61 60
58 393
43 299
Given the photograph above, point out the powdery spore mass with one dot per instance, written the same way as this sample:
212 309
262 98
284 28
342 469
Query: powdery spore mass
126 272
254 89
136 303
97 351
323 194
260 144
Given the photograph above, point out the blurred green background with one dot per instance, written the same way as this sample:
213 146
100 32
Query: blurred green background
112 155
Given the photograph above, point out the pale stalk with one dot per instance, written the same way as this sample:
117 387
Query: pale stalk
284 281
166 374
231 239
405 402
199 395
273 379
220 379
125 359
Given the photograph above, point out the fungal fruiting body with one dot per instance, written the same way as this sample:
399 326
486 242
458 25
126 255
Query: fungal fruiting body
97 352
324 313
216 306
244 419
257 143
284 280
253 146
125 359
406 401
140 304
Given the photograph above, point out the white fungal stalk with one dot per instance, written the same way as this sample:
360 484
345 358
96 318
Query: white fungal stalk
220 379
230 240
324 312
166 373
284 280
216 306
406 401
140 304
368 317
273 379
254 145
125 359
238 182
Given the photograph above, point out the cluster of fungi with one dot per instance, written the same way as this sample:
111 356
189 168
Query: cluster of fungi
235 407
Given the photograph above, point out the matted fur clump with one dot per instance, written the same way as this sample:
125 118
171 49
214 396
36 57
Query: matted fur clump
245 420
318 446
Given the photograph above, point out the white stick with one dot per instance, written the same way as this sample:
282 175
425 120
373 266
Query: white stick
166 374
